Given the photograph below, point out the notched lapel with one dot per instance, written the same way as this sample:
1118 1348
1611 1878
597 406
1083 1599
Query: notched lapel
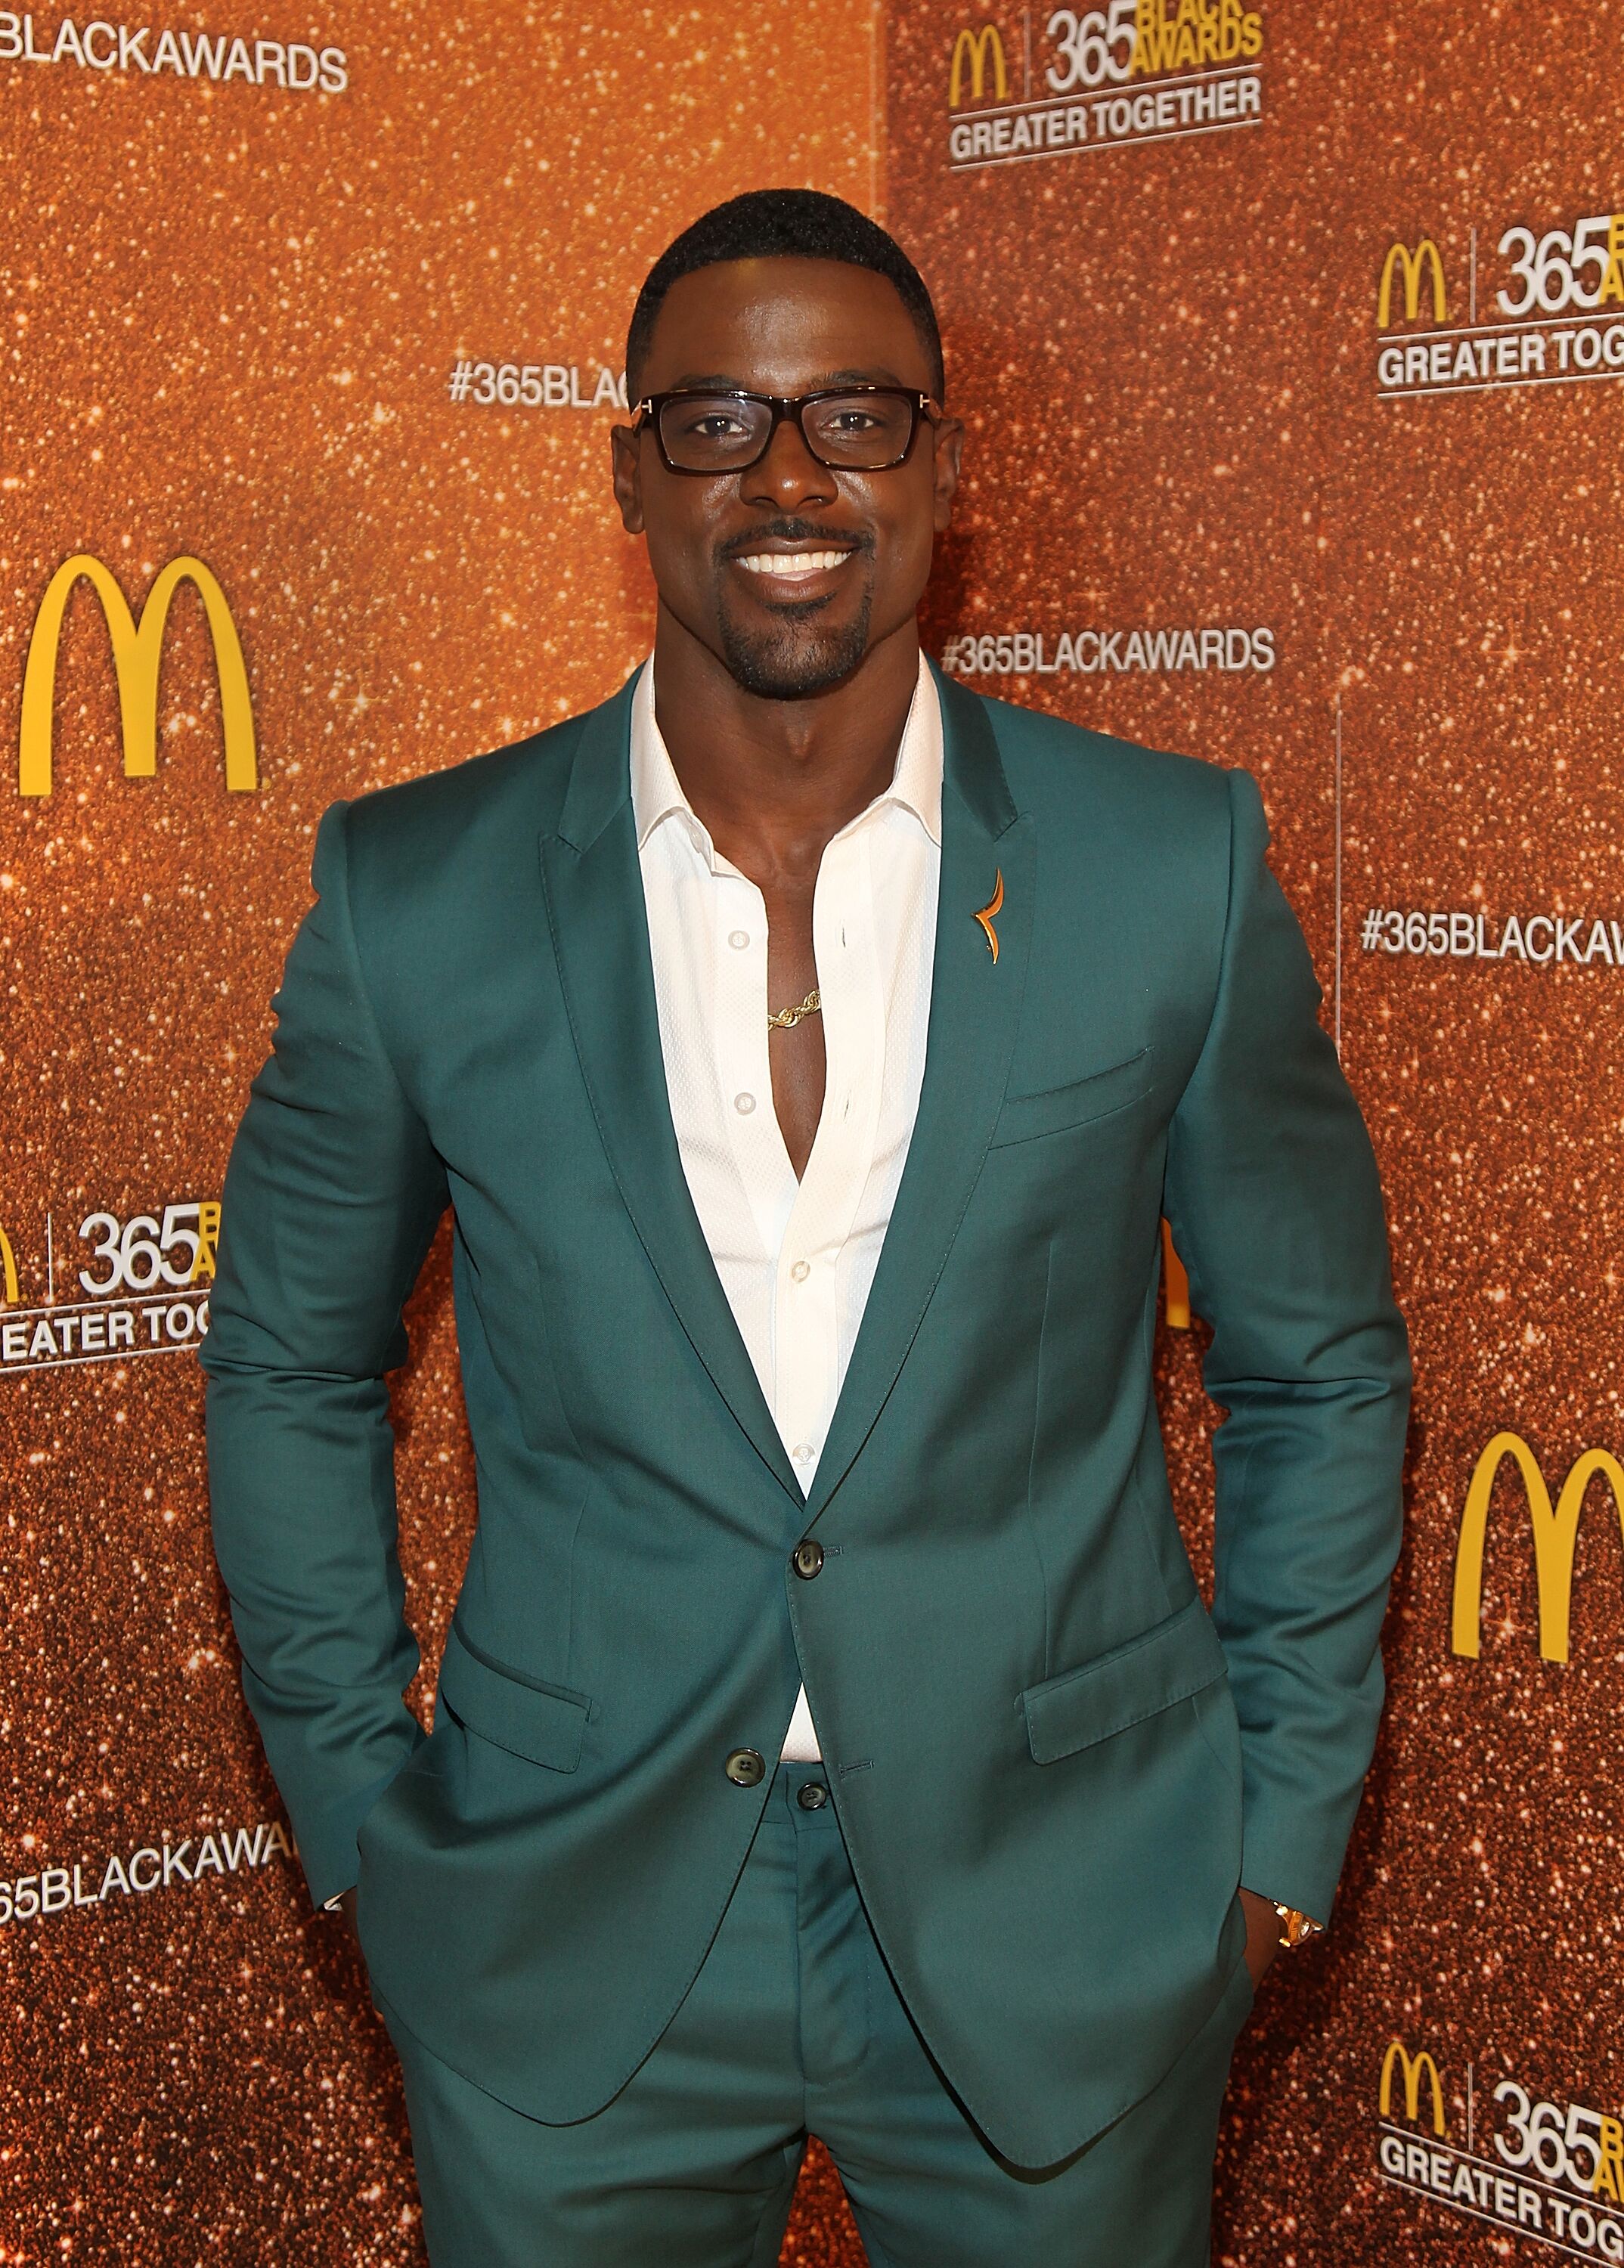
600 934
975 1010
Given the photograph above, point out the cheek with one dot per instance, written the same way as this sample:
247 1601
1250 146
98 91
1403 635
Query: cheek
905 547
679 550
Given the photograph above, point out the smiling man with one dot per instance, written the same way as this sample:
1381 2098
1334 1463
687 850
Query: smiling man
830 1737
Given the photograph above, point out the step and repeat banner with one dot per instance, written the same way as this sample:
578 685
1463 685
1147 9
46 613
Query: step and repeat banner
1289 338
313 332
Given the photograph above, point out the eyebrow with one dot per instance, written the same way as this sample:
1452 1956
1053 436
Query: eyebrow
720 382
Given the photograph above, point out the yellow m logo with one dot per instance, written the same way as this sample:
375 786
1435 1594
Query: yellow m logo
974 48
8 1270
1414 2072
137 650
1557 1536
1175 1284
1426 255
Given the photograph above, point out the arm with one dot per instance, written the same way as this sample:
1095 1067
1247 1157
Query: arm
1274 1206
330 1201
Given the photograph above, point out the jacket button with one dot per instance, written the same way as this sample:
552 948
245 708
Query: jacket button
812 1796
807 1558
745 1768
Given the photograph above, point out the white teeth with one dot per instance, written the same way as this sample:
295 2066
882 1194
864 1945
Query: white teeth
792 563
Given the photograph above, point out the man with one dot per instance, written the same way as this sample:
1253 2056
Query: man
830 1737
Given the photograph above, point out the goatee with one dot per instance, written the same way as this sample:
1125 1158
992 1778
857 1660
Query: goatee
793 662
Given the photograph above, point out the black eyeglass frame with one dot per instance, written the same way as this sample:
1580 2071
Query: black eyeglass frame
923 407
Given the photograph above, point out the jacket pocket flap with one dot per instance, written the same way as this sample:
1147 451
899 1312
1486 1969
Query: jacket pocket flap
1169 1663
544 1724
1025 1117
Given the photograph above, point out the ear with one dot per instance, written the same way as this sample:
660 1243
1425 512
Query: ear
948 436
626 473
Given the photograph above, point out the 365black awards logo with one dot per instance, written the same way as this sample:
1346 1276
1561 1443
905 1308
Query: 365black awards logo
1528 307
1495 2151
1054 84
141 1288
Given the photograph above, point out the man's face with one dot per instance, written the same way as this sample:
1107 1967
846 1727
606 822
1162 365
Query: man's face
787 327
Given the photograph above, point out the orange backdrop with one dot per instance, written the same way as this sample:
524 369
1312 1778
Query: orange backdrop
1309 320
1289 338
234 314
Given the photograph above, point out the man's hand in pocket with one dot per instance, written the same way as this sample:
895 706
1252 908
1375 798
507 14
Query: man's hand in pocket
1262 1934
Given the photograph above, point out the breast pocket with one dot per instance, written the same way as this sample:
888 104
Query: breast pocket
1055 1109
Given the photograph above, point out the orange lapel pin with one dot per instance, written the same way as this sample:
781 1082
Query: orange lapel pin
988 911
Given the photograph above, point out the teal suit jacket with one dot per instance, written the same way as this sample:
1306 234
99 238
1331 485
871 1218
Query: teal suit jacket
1052 1767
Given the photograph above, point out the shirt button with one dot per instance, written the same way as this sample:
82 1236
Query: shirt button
744 1104
801 1271
802 1452
739 940
745 1768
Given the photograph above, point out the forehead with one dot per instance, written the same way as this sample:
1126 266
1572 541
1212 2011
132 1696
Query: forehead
784 326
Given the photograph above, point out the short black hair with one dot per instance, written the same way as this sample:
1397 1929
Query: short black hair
777 224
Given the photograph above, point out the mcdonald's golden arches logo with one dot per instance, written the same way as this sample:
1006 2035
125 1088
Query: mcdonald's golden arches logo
9 1292
974 52
137 651
1556 1536
1414 2069
1426 260
1175 1284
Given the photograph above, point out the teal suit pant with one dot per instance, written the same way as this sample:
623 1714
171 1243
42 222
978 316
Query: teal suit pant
793 2027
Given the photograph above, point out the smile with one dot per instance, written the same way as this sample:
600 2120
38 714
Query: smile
792 563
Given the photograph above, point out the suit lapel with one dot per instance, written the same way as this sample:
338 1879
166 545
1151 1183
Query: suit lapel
600 934
975 1010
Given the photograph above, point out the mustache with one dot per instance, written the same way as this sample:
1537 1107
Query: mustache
806 532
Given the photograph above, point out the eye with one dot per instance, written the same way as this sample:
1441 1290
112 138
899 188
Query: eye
713 425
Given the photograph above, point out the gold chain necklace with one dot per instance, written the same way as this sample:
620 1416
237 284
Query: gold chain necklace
785 1019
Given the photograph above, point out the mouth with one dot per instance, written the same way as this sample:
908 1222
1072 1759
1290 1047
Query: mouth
793 570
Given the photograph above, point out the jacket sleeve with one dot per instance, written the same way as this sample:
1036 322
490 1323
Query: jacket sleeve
1272 1198
331 1198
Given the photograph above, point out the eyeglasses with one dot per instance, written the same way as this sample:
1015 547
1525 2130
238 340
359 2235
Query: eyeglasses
851 429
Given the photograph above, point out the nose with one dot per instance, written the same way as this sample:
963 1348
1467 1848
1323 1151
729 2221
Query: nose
788 475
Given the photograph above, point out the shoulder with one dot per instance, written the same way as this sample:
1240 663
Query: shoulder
438 875
466 808
1076 782
1048 760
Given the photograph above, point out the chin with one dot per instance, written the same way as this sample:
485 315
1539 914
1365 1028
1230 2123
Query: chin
795 660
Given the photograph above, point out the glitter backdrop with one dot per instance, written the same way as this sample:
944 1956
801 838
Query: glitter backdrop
248 323
234 316
1167 349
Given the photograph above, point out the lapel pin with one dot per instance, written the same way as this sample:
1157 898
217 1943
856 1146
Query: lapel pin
987 912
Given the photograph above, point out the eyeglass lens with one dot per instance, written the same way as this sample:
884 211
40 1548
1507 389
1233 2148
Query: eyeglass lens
720 433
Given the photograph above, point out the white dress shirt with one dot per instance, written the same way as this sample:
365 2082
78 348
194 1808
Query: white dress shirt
796 1259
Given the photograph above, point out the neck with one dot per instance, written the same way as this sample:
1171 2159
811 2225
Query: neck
773 781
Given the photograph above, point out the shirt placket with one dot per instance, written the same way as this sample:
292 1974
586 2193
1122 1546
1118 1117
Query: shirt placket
807 1292
744 1073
